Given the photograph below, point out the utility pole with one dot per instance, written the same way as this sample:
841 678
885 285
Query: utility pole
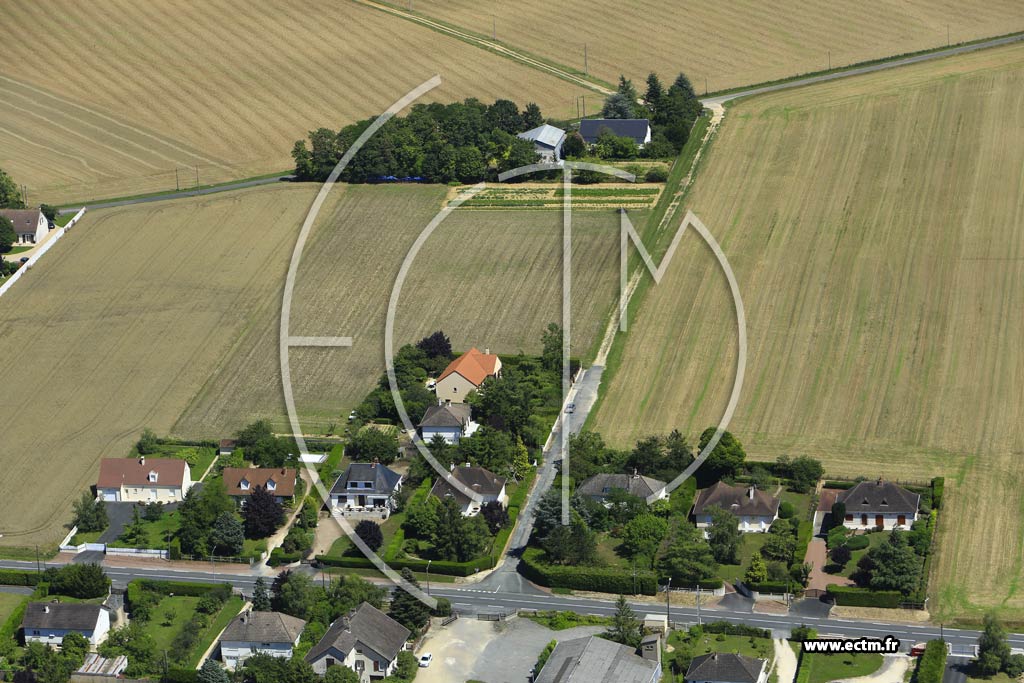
698 605
634 577
494 29
428 576
197 177
668 602
38 570
947 35
177 185
829 60
586 68
584 106
705 85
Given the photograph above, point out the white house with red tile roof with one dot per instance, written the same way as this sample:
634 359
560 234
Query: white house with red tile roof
465 374
143 480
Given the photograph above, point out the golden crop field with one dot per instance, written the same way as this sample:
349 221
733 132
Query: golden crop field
167 315
113 330
729 44
115 95
488 278
874 226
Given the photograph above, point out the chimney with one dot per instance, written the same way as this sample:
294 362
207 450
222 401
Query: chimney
451 468
245 617
46 609
636 473
750 493
487 352
142 460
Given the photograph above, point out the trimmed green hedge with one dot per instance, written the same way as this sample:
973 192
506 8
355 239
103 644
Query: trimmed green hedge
9 629
853 596
858 542
938 486
416 565
932 664
842 485
804 533
770 587
599 579
736 629
278 557
705 584
17 577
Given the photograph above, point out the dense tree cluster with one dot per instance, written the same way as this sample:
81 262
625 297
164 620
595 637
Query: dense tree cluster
263 448
197 514
10 195
451 535
298 595
465 141
78 581
90 513
660 457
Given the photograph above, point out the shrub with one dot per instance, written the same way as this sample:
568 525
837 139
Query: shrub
861 597
725 628
802 632
933 663
857 542
370 533
443 608
656 174
786 510
601 579
78 581
938 484
841 555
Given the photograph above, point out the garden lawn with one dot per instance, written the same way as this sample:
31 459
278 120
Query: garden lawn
173 613
800 501
157 533
875 539
343 546
86 537
607 551
749 544
741 645
8 603
824 668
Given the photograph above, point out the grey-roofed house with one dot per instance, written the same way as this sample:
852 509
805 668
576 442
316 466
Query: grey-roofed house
450 421
480 480
30 225
547 142
600 486
873 504
637 129
755 510
268 633
366 488
365 640
726 667
596 660
49 622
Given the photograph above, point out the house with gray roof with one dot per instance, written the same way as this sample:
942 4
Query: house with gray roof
600 486
366 488
49 622
547 142
365 640
596 660
879 504
489 486
450 421
725 667
30 225
754 510
268 633
637 129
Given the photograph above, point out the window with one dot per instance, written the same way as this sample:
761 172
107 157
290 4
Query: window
376 665
152 477
849 518
244 484
330 662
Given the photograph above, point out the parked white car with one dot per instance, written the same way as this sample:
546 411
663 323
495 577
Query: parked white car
425 659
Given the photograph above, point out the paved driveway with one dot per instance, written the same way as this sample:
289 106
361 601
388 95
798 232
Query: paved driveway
494 652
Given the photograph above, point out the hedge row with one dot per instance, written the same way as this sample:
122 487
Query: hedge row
852 596
842 485
9 629
932 665
278 557
600 579
416 565
938 485
704 584
181 588
17 577
736 629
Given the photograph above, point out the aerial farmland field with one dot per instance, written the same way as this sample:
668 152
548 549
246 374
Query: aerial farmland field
167 315
221 90
729 44
874 227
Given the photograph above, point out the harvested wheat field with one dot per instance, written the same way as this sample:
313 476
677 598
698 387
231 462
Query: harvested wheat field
874 225
113 330
729 44
487 278
120 94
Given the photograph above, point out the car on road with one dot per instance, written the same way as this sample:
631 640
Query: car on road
425 659
570 408
23 259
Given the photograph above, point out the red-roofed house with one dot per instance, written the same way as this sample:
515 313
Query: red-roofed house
143 480
240 482
465 374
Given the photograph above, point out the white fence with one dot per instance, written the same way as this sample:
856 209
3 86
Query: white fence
146 552
18 274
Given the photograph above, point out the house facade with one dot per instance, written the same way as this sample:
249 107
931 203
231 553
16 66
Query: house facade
879 504
489 486
596 660
366 488
726 667
600 486
143 480
450 421
755 510
637 129
547 142
30 225
465 374
240 482
266 633
49 622
365 640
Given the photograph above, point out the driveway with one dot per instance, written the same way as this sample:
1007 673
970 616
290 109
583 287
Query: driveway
817 557
785 661
495 652
118 516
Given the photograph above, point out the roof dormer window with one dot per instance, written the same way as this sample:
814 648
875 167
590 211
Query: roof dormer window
271 484
152 476
885 502
244 484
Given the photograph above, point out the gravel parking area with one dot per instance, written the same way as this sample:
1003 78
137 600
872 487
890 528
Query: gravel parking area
493 652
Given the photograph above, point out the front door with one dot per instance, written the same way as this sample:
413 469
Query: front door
863 520
361 501
879 520
902 520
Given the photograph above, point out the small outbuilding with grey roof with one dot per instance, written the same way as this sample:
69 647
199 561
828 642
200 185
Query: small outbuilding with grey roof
879 504
366 488
266 633
49 622
365 640
596 660
547 142
725 667
639 130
